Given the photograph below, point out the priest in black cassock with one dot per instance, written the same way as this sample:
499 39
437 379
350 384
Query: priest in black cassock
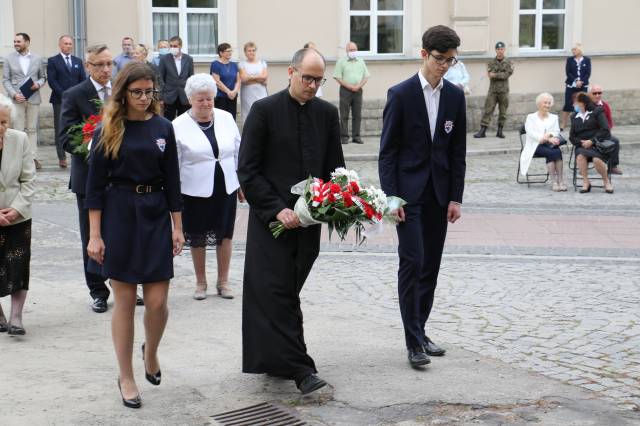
287 137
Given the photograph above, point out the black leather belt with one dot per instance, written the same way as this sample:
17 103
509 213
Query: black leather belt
138 189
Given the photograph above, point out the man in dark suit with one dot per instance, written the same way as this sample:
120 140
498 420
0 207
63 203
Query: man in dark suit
422 160
64 71
78 103
175 69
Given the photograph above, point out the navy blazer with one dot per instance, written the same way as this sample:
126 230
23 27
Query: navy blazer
78 103
60 78
571 69
408 156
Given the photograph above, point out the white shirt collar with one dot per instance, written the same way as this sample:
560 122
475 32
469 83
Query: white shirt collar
98 86
425 84
65 56
583 115
26 55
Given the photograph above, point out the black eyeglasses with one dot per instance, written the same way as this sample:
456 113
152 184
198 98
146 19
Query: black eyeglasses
101 64
597 93
149 94
308 79
441 60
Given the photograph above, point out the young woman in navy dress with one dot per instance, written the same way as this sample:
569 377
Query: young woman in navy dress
133 196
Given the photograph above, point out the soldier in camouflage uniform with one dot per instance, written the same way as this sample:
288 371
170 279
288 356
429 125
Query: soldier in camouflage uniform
499 71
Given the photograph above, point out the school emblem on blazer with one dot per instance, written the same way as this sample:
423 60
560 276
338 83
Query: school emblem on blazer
448 126
161 143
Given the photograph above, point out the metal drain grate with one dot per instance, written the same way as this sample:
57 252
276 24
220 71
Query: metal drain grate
265 414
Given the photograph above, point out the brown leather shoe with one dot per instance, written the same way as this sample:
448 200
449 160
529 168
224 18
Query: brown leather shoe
616 171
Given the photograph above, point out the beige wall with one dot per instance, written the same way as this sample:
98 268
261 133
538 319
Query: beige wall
44 21
279 27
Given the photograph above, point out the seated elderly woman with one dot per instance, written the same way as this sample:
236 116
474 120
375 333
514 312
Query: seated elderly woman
208 144
588 125
17 173
543 139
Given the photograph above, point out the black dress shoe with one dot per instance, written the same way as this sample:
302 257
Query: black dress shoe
154 379
14 330
311 383
139 300
130 403
358 141
99 305
432 349
4 327
418 357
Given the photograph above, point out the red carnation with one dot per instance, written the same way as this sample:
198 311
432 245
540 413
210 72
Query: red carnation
355 189
331 198
348 200
335 188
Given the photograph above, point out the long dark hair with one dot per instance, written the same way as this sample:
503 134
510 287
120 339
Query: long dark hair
115 110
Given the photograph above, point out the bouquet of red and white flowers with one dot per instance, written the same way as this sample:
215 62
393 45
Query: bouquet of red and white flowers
80 134
341 203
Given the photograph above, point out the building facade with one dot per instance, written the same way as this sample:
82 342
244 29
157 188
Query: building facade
538 33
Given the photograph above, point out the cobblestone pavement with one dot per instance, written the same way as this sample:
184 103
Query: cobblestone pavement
568 311
563 318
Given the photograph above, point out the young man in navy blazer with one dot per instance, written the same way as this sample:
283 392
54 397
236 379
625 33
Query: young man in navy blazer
64 71
422 160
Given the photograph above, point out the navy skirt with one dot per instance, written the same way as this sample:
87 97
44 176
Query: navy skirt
208 221
136 230
550 153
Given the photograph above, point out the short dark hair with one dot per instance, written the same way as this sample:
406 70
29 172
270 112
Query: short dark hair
176 38
24 36
440 38
584 98
222 47
299 56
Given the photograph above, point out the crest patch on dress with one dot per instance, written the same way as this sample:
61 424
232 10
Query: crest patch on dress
161 143
448 126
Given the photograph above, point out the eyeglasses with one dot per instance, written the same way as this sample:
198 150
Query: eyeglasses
596 93
101 64
308 79
228 51
149 94
441 60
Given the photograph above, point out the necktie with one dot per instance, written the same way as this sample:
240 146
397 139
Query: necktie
105 93
68 60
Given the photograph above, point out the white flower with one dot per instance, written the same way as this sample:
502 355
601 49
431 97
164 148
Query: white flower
378 199
351 175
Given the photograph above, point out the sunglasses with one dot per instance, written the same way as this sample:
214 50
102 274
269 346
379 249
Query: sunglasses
597 93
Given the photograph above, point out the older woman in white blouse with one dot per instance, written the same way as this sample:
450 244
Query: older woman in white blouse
543 138
208 142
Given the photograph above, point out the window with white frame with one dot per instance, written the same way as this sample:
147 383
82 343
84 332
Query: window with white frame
542 24
195 21
377 26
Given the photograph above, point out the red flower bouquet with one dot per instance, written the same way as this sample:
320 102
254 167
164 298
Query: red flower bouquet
342 204
80 134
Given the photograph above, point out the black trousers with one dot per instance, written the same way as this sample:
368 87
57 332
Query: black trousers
420 242
350 101
274 272
171 111
56 128
229 105
95 282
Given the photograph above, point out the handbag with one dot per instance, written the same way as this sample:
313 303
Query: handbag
605 146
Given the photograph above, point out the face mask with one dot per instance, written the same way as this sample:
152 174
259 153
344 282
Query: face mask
352 55
576 108
163 50
174 51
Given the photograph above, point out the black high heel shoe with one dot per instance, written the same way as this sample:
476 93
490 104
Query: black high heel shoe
154 379
584 191
130 403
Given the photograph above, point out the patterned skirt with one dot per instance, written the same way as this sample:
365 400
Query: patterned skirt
15 256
